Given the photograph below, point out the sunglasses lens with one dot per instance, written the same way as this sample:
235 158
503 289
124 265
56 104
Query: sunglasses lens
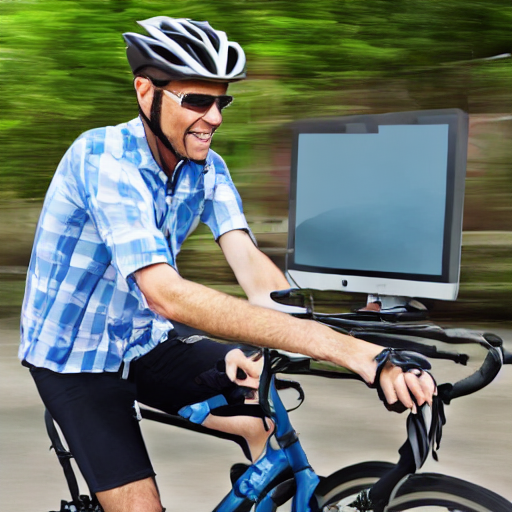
225 101
198 100
205 100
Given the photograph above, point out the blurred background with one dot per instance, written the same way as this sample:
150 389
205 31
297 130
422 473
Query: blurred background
63 71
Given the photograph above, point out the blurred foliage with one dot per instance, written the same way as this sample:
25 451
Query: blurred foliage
63 70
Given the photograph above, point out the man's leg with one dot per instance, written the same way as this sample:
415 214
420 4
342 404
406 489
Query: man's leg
178 373
251 429
95 413
139 496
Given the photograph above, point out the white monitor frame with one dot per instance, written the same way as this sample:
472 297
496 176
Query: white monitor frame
443 286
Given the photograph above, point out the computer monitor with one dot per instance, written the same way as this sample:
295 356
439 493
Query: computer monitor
376 203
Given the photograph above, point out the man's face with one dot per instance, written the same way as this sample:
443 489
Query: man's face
188 129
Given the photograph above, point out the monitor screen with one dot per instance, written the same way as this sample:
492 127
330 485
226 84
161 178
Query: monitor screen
379 197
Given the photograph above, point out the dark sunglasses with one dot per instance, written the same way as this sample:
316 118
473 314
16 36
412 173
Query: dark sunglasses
199 101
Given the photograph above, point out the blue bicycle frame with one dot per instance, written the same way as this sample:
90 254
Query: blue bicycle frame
255 485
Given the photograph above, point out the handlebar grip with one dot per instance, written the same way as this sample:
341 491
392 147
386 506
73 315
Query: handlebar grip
478 380
507 357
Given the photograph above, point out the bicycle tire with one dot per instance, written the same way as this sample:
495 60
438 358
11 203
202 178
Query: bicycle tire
343 486
421 492
436 490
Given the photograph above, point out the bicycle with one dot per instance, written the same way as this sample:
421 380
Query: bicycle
283 473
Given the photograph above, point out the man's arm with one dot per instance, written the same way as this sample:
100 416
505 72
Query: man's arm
228 317
254 271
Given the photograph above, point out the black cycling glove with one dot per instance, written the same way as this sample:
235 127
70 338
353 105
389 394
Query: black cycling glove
405 360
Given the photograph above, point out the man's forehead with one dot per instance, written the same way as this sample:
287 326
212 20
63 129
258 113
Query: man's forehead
199 86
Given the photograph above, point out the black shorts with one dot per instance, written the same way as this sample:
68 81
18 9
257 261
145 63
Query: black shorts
95 410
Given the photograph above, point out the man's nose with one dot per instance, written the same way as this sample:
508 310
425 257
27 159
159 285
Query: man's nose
213 115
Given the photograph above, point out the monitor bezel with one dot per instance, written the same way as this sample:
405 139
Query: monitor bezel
457 121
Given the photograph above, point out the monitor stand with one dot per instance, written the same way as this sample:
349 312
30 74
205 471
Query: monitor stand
403 308
378 307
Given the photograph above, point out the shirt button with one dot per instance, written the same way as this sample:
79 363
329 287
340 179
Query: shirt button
168 200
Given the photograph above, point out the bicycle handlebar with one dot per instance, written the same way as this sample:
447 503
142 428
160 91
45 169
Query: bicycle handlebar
290 363
398 336
484 375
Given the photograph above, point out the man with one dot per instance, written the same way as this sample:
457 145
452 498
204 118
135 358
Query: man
105 307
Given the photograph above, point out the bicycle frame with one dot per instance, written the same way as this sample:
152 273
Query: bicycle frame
253 486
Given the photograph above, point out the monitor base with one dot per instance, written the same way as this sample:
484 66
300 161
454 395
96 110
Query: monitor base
395 306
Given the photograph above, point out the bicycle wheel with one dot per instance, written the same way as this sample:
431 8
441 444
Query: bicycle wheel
427 492
341 488
434 492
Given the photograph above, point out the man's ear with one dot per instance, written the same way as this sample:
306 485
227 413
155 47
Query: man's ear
144 89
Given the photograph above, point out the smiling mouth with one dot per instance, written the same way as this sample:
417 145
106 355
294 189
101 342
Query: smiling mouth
202 136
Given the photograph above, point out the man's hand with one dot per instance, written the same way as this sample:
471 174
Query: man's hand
398 386
252 367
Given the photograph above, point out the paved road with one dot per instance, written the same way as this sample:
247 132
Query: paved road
339 424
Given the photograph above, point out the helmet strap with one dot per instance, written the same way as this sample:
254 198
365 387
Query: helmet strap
155 126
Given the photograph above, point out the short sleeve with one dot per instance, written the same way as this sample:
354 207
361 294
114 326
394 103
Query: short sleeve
223 209
122 208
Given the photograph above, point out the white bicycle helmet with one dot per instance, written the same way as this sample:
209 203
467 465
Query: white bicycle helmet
184 49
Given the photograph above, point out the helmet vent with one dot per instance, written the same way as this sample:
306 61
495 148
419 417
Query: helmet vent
232 59
167 55
192 32
198 52
210 33
168 29
214 40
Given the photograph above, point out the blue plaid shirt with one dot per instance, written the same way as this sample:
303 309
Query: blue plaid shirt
110 211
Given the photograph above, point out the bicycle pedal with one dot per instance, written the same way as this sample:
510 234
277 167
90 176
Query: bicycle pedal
236 471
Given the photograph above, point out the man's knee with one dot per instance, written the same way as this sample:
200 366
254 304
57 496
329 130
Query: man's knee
139 496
